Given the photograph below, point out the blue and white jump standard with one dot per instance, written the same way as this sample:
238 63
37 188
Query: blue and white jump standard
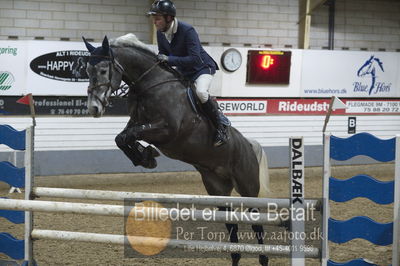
337 190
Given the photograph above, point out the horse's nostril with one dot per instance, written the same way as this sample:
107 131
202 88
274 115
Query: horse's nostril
93 110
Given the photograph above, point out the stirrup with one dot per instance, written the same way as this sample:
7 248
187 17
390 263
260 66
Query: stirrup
221 137
219 142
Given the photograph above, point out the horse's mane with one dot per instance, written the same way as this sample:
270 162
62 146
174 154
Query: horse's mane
130 40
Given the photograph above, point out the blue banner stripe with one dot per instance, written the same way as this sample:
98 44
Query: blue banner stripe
12 138
342 149
12 175
11 246
361 186
356 262
360 227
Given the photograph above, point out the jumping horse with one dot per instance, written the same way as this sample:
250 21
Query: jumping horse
161 114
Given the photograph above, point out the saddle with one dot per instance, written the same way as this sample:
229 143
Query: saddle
197 107
193 100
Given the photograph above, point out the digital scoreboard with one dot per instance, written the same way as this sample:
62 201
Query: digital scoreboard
268 67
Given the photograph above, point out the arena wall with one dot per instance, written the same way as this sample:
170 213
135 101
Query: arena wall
359 24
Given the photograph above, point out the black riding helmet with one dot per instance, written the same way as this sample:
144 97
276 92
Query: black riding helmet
162 7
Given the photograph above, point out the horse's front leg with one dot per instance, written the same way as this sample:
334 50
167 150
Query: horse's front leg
155 132
136 152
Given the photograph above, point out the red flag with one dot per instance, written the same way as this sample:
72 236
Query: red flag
28 100
25 99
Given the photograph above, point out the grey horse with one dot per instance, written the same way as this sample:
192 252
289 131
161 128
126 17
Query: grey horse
161 114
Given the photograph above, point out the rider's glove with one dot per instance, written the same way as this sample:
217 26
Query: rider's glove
162 58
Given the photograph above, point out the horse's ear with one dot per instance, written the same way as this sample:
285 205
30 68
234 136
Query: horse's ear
105 44
88 45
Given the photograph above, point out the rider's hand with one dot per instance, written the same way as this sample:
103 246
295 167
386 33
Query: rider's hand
162 58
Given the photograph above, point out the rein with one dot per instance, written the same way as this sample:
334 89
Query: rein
135 83
131 84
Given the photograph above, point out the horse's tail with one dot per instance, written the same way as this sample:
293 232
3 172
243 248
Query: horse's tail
263 175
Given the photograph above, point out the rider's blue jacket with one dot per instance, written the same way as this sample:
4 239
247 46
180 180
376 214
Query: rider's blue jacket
186 52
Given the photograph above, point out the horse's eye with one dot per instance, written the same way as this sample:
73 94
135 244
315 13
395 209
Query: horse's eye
103 72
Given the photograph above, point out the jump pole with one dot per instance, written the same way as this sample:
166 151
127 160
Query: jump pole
29 174
142 212
203 200
211 246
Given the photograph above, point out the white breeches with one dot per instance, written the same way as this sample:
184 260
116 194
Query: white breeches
203 84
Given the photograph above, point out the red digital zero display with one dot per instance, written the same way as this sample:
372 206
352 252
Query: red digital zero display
268 67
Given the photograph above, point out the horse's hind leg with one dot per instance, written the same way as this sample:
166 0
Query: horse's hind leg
233 237
259 230
221 186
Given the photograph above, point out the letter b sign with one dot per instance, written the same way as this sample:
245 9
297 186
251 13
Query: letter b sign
351 125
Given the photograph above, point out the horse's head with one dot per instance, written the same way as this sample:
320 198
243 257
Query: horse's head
366 67
105 75
370 66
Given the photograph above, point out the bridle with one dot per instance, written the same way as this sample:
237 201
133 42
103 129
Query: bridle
131 84
114 64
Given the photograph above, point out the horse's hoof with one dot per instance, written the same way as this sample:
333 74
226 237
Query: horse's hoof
287 225
263 260
235 259
150 164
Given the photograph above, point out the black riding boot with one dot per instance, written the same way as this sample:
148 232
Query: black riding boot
217 118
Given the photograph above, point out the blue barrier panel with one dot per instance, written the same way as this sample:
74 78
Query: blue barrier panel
12 138
361 186
17 217
342 149
11 246
360 227
12 175
15 177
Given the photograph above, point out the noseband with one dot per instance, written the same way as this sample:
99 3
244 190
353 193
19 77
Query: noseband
115 64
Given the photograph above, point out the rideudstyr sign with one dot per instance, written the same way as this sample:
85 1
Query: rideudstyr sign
307 106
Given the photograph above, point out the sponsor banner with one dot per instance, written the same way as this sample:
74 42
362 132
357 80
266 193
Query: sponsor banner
57 68
243 107
59 106
77 106
350 74
12 70
307 106
298 106
62 65
373 107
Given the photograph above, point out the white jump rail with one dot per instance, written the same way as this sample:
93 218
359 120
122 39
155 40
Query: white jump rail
142 212
270 250
203 200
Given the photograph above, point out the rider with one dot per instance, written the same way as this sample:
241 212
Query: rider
179 45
